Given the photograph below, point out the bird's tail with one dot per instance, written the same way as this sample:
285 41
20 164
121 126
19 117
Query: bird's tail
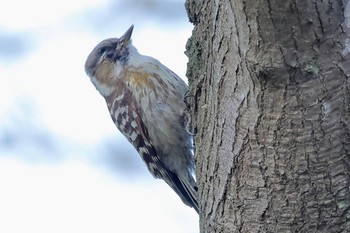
186 188
190 191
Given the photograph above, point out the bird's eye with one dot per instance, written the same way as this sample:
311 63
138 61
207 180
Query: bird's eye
109 54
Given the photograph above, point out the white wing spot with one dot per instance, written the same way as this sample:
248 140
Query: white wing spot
133 136
124 121
153 167
120 110
122 127
133 124
147 144
143 150
117 99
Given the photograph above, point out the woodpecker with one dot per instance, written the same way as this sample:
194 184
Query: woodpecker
145 101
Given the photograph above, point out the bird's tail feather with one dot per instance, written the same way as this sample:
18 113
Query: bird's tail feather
185 187
190 187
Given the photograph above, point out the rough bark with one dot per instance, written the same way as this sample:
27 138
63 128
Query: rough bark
271 112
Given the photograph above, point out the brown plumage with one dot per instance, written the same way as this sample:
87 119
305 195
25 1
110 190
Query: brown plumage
145 101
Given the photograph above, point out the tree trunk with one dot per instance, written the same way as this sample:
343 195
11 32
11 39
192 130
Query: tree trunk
271 112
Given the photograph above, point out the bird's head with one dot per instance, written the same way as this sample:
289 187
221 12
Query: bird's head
108 57
109 50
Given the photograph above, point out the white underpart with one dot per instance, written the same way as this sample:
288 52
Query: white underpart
102 88
137 60
118 69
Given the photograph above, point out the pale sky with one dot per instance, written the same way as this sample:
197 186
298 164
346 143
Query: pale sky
64 167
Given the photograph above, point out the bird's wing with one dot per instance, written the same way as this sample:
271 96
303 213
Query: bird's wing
126 116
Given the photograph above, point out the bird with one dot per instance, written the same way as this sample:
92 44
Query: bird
145 100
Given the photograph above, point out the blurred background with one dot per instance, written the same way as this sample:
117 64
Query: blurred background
64 167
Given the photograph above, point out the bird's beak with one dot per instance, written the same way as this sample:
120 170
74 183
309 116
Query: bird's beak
127 36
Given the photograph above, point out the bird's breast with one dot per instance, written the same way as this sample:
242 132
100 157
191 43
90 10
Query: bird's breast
139 79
